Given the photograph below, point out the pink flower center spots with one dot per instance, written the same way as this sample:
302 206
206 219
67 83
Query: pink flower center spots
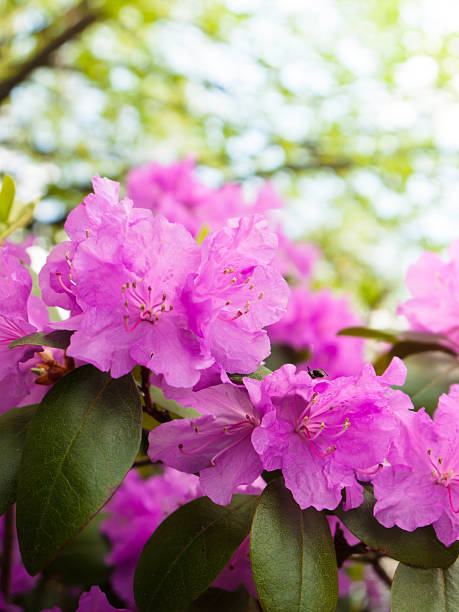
228 437
240 291
143 304
311 426
444 476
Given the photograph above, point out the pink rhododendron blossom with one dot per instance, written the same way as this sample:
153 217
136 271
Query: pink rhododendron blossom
324 434
421 486
311 325
136 510
20 314
174 192
236 293
217 444
434 285
141 291
295 260
125 273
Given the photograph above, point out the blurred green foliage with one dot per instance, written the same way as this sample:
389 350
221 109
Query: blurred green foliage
348 105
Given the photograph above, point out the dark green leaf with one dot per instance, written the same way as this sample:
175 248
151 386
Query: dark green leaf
188 551
366 332
420 547
82 561
83 439
432 590
429 375
59 339
292 555
406 348
6 198
223 601
13 428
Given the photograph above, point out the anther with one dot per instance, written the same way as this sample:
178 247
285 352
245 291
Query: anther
247 280
164 297
87 233
163 307
171 307
261 295
251 286
149 288
233 280
134 284
228 303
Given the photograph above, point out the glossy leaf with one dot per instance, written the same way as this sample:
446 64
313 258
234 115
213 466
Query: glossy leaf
366 332
80 444
59 339
13 429
6 198
188 551
429 375
292 555
419 548
432 590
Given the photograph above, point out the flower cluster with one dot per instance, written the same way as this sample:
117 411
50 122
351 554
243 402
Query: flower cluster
324 434
421 485
141 291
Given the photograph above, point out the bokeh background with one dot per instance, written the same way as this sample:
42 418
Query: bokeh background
350 107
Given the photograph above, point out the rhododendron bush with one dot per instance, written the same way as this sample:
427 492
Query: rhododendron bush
160 454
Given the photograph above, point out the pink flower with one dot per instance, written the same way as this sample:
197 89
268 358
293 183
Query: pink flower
311 324
217 444
421 486
125 274
175 192
141 291
236 293
20 314
434 285
324 434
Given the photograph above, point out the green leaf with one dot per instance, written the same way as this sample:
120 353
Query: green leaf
406 348
80 444
6 198
188 551
59 339
432 590
259 374
82 561
157 397
292 555
13 429
419 548
221 600
366 332
429 375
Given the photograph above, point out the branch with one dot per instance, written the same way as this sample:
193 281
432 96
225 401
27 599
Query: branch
160 415
41 58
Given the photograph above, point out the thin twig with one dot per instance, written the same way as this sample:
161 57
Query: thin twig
42 57
160 415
